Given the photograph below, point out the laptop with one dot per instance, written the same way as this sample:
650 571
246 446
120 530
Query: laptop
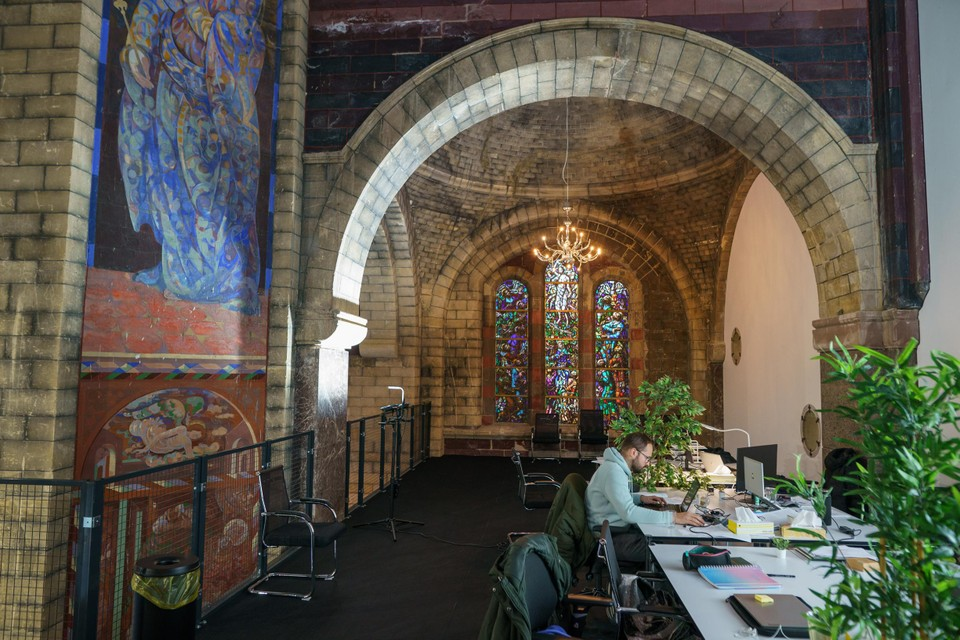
786 615
683 506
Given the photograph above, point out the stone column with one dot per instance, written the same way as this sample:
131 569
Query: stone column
321 407
886 331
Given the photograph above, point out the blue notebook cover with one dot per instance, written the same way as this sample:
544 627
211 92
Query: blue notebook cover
748 577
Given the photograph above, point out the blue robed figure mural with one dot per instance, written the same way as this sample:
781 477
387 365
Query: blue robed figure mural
189 144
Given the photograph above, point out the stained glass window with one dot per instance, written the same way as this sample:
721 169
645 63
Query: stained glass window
612 348
561 343
512 352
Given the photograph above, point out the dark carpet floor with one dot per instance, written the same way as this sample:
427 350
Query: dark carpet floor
431 584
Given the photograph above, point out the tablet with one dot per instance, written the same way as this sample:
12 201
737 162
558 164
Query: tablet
785 616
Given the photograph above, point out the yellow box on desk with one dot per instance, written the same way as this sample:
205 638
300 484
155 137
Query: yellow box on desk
750 528
802 533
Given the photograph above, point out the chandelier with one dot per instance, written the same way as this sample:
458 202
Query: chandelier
572 245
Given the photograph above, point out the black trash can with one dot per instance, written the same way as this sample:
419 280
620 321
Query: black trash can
165 590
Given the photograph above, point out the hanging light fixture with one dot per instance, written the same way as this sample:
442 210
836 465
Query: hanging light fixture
572 245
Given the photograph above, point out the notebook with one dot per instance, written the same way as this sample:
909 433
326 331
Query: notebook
683 506
785 616
747 577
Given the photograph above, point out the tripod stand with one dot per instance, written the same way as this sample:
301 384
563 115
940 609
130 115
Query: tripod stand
393 415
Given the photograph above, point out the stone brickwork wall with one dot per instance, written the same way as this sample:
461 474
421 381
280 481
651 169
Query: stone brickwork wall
362 50
287 220
48 93
47 103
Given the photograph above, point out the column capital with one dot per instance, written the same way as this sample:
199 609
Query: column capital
885 330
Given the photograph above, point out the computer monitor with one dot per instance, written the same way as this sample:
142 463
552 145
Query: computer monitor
753 477
765 453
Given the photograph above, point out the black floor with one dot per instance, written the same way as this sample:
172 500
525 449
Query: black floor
431 584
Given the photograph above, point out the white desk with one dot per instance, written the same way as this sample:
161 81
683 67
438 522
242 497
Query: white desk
720 533
707 606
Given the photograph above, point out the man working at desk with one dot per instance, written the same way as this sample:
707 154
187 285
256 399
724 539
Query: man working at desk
610 497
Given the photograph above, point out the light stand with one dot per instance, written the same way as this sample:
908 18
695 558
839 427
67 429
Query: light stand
393 415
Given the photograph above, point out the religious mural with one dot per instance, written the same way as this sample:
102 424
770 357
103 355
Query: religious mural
174 346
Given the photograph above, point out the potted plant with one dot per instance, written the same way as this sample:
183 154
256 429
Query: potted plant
669 418
781 544
901 411
797 484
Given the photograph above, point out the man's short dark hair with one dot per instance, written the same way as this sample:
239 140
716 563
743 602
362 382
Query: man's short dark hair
636 440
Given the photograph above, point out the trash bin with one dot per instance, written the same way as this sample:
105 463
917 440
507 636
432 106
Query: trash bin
165 590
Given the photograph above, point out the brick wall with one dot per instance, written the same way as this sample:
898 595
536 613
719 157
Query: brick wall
48 66
362 50
49 69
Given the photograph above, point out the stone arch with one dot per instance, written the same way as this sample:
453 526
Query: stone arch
763 114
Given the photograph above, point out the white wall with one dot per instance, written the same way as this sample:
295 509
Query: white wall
772 299
940 78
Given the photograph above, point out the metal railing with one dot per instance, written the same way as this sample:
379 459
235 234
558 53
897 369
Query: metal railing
369 466
68 548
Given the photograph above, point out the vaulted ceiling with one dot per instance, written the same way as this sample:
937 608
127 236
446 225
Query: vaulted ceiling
655 174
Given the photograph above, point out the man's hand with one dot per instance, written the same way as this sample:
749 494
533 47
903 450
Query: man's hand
653 501
688 518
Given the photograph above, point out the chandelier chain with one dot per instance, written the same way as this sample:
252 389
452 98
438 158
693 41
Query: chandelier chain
572 246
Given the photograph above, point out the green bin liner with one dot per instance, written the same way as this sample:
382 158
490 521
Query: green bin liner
167 581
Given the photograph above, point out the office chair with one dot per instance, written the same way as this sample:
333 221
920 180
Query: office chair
638 608
536 490
591 430
567 522
284 524
531 598
546 432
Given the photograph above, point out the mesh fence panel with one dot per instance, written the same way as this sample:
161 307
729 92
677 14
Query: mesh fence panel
35 559
142 516
232 526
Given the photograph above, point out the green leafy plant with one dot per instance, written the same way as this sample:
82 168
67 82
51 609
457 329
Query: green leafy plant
780 543
797 484
901 411
669 418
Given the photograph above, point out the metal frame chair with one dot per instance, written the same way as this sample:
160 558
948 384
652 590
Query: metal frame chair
591 430
536 481
283 524
607 553
546 431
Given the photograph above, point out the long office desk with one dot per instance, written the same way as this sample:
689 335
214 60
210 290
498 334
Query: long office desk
719 533
707 606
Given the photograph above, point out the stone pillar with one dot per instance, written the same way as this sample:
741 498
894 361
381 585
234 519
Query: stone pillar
885 331
47 110
321 407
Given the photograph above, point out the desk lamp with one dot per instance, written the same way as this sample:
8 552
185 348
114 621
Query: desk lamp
708 427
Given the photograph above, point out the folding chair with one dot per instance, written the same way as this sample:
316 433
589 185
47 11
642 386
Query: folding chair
284 524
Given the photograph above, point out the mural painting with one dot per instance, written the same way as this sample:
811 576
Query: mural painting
173 353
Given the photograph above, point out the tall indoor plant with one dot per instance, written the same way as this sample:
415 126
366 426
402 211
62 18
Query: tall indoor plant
669 418
901 411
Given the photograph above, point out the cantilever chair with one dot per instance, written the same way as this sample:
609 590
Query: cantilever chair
546 432
592 430
634 595
288 523
536 490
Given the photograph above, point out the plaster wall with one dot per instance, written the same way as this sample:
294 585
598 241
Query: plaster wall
772 299
941 93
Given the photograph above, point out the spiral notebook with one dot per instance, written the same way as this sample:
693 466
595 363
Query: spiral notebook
748 577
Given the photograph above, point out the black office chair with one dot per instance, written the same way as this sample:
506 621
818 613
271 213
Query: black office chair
286 523
536 490
638 607
591 431
546 432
